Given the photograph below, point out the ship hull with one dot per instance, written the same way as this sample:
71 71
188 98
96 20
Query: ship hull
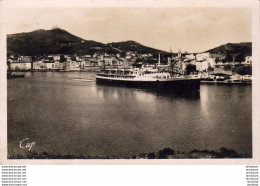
166 85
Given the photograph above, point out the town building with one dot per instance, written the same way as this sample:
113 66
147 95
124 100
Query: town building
48 65
108 60
20 66
26 59
37 65
218 57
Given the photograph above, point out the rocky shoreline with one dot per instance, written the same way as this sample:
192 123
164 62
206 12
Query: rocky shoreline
166 153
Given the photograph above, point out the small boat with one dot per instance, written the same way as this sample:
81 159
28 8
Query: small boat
11 75
234 79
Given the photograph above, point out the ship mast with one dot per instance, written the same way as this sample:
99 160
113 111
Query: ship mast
159 60
172 63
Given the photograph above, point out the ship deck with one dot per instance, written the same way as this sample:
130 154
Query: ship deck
142 78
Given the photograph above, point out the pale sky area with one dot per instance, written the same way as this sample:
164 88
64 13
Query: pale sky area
188 29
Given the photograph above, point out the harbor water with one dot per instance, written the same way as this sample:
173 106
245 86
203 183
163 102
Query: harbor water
68 113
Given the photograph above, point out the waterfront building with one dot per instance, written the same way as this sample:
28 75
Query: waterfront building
87 63
77 64
20 66
247 77
71 65
82 63
37 65
48 65
62 65
56 64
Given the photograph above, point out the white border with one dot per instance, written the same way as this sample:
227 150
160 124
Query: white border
254 4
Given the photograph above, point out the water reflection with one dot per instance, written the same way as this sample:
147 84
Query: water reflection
204 103
189 95
205 110
106 91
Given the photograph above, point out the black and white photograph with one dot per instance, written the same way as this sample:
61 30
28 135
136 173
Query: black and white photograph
109 83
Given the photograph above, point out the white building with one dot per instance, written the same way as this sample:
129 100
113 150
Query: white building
37 65
56 64
247 77
202 66
62 65
48 65
108 60
204 61
20 66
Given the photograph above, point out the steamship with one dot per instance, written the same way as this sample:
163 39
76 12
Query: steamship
146 78
141 76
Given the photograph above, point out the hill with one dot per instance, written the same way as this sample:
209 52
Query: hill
233 48
134 47
55 41
59 41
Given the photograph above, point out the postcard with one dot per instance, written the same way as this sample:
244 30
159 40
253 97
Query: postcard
129 82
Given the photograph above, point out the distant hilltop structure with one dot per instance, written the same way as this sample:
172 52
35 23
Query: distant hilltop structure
55 27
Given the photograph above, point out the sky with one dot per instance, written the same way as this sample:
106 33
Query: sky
189 29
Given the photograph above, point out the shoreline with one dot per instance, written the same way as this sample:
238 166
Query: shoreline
202 81
56 70
166 153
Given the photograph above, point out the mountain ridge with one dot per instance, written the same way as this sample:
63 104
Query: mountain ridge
244 48
59 41
43 41
131 45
